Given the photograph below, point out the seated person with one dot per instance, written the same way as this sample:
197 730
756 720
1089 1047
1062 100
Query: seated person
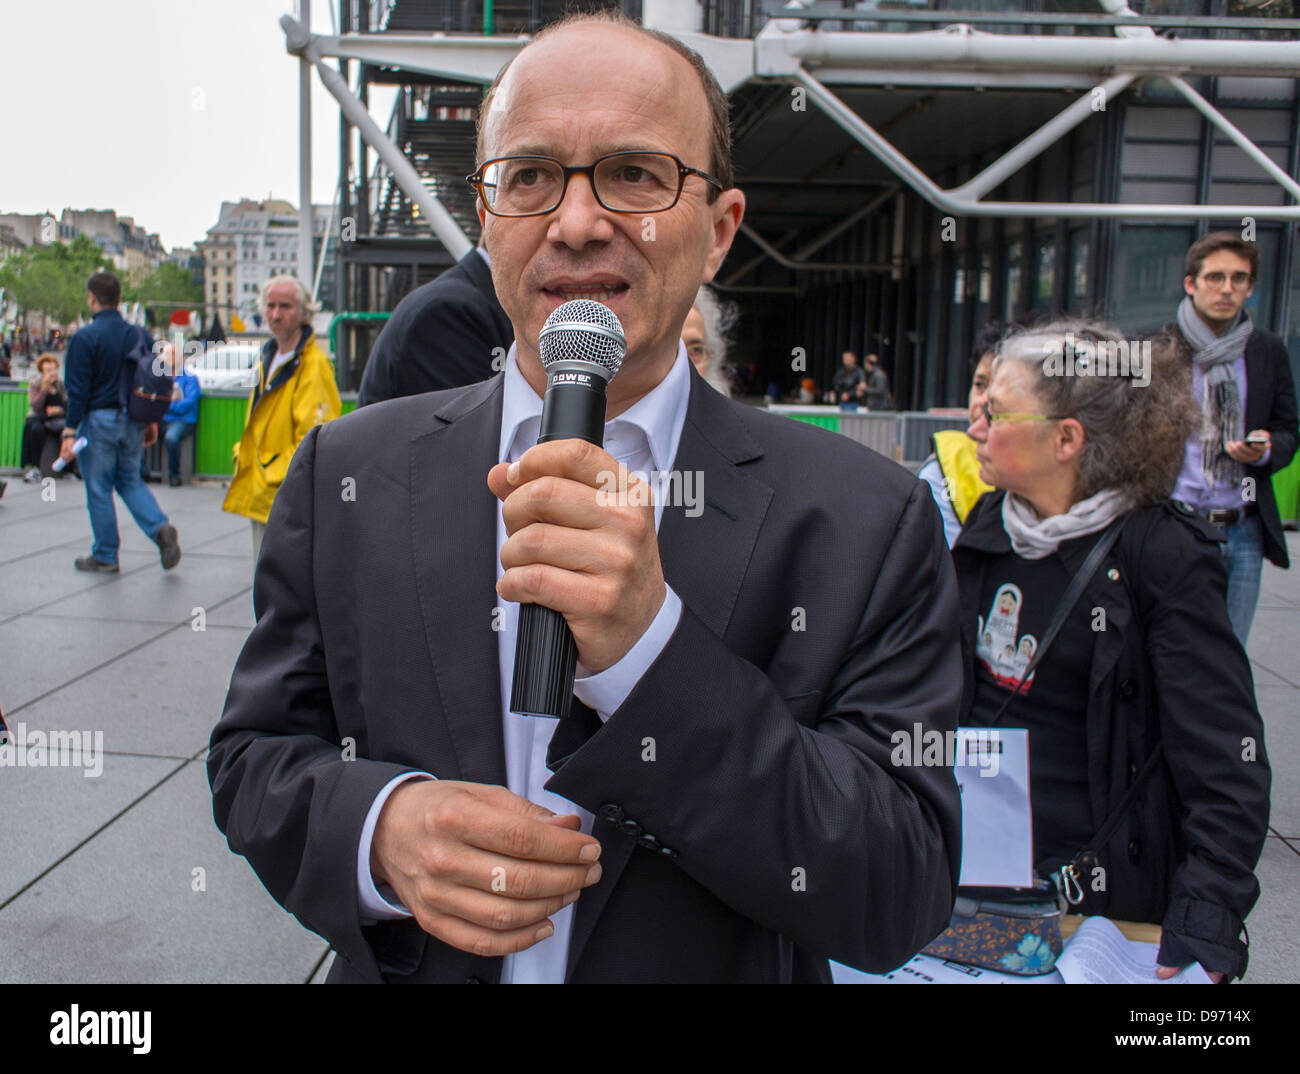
1145 681
180 421
49 403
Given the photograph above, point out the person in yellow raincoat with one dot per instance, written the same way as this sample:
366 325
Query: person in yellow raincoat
294 391
952 471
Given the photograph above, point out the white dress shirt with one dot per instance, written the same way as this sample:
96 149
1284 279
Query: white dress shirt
643 438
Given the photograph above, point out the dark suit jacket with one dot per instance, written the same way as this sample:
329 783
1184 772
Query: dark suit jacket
442 335
793 837
1271 405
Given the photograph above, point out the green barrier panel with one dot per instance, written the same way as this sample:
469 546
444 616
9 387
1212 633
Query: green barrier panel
13 411
823 421
1286 486
221 424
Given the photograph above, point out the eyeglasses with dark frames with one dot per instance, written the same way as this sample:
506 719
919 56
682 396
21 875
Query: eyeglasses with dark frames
625 182
1240 280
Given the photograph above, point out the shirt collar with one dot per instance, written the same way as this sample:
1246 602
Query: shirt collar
658 415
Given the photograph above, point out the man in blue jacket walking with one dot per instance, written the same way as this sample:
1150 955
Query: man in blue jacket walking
111 458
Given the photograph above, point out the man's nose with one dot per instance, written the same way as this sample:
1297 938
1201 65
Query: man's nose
580 218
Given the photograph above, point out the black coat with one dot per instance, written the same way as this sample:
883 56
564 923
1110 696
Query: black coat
773 705
445 334
1167 667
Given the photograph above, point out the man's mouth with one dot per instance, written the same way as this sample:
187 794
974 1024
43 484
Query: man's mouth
599 290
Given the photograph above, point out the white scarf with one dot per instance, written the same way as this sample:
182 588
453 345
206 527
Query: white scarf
1035 538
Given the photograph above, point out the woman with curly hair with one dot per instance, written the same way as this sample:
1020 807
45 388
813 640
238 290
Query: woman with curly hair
1149 782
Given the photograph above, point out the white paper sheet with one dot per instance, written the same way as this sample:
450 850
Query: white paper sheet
992 770
1098 953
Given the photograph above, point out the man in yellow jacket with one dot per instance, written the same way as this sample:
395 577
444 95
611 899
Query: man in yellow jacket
294 391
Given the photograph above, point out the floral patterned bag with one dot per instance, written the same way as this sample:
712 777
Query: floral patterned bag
1010 930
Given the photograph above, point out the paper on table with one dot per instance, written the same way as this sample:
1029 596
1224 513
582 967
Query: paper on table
925 969
1098 953
992 770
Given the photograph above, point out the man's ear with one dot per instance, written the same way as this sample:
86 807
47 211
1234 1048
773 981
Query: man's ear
728 211
1189 285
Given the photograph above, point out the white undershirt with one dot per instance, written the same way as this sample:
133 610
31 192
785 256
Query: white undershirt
280 358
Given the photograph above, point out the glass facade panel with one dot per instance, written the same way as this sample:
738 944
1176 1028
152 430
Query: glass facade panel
1045 270
1147 281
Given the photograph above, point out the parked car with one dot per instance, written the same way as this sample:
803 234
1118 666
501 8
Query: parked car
228 366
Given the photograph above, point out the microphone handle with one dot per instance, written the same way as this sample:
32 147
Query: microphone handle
545 653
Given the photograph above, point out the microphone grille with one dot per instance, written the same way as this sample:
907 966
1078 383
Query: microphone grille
584 331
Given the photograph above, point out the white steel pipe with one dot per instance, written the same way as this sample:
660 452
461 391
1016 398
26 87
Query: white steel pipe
960 49
444 225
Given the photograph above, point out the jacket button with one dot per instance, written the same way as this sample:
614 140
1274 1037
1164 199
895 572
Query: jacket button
1113 574
649 842
1128 689
1134 850
611 812
669 853
473 980
632 828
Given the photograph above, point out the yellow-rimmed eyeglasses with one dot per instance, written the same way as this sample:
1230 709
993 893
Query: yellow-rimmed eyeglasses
630 182
991 416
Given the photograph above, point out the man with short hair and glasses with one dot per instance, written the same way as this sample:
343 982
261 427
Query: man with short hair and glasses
721 801
1241 377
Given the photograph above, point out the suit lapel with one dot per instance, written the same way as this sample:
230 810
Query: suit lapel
1258 379
453 534
704 559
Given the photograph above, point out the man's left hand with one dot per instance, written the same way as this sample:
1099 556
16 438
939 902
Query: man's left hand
150 434
1248 453
581 540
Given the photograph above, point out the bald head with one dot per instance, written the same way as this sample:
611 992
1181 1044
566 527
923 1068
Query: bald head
577 38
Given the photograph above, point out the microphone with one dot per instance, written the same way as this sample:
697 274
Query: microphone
582 346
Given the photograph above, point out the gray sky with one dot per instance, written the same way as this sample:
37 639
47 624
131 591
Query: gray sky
160 109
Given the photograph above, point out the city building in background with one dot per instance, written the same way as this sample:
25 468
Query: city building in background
253 241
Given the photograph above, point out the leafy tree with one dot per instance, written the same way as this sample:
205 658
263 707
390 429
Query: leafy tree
166 287
52 279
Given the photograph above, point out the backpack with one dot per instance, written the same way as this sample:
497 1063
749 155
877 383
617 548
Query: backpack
144 393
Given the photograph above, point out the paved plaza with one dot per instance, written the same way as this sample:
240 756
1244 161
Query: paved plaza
124 877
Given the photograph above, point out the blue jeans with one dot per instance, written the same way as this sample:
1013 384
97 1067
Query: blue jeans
1243 556
111 460
176 432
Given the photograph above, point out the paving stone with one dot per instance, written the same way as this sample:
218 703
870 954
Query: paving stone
123 909
1274 923
155 595
1272 642
41 653
70 803
1280 708
319 976
167 696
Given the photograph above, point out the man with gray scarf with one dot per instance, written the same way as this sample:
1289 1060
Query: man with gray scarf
1242 382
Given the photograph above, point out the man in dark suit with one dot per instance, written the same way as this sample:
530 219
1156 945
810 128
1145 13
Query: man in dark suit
1243 385
445 334
726 802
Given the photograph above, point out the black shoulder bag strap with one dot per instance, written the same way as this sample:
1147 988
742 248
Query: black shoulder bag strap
1063 608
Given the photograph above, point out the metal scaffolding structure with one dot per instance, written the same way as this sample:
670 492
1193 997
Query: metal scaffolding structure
848 60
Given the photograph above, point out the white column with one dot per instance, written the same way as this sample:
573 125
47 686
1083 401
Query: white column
304 155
